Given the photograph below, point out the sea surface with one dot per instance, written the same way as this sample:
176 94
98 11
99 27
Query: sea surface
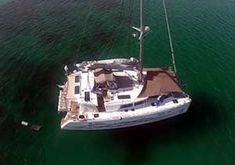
39 37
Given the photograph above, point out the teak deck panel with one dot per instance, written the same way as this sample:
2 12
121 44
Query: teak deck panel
158 82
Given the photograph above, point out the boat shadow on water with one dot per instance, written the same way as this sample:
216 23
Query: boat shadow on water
204 114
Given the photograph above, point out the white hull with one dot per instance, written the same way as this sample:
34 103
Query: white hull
130 118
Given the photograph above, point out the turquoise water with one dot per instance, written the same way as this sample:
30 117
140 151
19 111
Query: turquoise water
37 38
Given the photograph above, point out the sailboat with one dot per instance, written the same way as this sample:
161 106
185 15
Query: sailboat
119 93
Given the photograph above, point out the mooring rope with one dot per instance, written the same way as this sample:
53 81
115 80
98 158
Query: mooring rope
169 35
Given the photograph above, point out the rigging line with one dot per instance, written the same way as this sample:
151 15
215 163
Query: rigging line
169 36
130 6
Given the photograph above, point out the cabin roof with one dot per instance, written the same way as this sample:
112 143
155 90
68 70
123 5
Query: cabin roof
102 75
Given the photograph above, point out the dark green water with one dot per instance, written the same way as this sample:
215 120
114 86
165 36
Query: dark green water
38 37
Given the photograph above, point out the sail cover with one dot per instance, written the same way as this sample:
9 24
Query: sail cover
158 82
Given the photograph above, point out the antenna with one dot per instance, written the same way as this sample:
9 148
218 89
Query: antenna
140 36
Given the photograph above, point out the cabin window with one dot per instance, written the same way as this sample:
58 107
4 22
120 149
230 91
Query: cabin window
96 115
126 105
139 103
76 89
81 116
76 79
175 101
124 96
87 96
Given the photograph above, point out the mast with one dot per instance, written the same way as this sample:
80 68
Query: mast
141 40
142 29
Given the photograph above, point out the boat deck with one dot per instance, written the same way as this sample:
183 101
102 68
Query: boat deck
67 96
73 113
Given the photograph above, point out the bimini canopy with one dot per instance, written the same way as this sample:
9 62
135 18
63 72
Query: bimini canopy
158 82
102 75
